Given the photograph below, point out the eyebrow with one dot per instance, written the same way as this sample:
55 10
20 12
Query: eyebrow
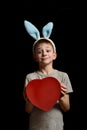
41 48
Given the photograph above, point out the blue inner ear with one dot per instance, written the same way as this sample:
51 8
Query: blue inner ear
47 30
32 30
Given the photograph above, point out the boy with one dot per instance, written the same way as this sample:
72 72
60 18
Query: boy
44 52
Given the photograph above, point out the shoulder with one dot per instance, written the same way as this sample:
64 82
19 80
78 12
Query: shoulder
62 73
31 75
64 78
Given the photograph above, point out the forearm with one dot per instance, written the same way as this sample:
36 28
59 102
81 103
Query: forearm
64 102
28 104
28 107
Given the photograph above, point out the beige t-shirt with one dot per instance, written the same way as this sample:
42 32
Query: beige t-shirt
53 119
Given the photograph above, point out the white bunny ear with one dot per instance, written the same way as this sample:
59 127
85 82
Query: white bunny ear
32 30
47 30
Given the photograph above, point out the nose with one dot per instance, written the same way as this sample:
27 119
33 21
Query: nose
44 53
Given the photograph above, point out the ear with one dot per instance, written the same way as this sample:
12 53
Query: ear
47 30
32 30
34 57
54 55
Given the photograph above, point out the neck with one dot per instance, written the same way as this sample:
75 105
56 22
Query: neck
46 69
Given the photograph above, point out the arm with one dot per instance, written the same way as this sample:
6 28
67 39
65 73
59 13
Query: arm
65 103
64 99
28 104
28 107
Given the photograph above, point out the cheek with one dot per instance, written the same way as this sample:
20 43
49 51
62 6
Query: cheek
36 58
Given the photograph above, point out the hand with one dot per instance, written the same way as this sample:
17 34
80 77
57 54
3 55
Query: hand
63 90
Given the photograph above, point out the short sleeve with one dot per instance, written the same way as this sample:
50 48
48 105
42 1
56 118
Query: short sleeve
67 82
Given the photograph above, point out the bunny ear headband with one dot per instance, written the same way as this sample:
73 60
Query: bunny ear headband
34 32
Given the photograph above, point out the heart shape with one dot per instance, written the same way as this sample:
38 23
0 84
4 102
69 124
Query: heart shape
43 93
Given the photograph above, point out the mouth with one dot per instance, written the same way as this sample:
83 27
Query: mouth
45 58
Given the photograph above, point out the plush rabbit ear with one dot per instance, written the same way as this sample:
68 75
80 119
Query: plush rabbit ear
47 30
32 30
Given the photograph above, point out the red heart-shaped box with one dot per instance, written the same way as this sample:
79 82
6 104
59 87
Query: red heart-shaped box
43 93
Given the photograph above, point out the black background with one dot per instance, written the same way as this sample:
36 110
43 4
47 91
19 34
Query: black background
17 58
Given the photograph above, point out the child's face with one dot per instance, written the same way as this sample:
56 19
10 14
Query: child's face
44 53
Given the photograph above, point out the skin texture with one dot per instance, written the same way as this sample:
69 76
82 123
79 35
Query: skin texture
44 55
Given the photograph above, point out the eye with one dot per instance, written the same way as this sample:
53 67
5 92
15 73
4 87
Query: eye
48 50
39 52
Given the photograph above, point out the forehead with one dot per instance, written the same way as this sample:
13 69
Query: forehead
43 44
47 45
